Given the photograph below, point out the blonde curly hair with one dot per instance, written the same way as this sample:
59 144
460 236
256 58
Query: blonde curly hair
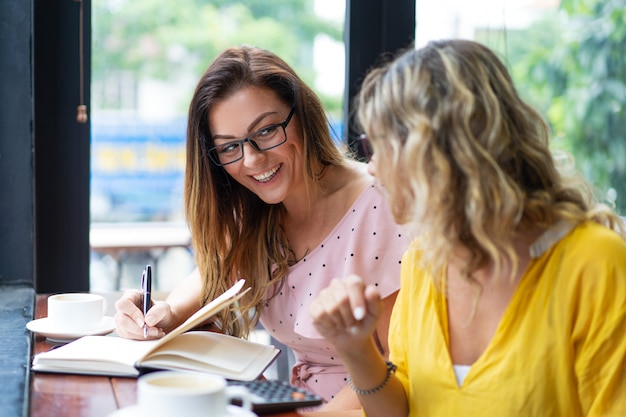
465 161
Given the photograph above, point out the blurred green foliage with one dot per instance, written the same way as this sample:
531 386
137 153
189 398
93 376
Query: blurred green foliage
164 40
571 66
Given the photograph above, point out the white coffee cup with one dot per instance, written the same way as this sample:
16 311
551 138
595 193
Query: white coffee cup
189 394
75 312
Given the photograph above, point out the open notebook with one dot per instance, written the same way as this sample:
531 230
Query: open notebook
181 349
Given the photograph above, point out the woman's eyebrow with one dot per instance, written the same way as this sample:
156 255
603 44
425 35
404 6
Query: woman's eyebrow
250 126
259 118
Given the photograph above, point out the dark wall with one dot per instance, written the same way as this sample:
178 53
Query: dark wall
17 254
61 147
17 224
373 34
44 152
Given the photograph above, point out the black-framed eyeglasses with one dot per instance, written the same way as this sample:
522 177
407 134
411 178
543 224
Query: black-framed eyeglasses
262 140
365 146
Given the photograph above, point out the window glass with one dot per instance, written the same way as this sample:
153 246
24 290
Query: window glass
567 60
147 56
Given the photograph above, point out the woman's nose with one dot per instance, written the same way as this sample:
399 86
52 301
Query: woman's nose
251 155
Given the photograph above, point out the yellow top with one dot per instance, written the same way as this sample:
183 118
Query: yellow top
559 350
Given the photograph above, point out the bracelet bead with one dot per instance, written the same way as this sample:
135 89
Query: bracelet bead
391 369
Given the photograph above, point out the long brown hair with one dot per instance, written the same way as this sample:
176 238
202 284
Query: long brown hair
234 233
466 160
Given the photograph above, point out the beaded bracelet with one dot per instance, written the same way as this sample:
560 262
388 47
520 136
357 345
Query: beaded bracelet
391 368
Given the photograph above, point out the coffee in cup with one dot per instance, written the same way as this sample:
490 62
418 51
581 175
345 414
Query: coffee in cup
189 394
75 312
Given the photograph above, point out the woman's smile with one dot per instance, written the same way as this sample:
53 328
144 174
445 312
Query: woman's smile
267 176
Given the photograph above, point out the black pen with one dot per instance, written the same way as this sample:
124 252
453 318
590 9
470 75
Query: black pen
146 290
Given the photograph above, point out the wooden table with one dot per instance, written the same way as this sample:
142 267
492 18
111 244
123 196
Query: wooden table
55 395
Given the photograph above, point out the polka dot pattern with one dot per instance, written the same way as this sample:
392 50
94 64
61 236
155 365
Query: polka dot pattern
366 242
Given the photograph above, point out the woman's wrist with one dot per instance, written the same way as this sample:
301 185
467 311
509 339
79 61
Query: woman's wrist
391 369
367 368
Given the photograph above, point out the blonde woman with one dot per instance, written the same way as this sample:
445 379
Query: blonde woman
270 197
513 295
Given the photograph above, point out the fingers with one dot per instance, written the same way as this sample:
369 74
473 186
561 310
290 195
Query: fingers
129 319
373 301
355 287
365 304
158 314
332 308
127 307
346 306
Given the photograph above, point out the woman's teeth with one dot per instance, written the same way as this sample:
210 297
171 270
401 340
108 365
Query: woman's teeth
265 177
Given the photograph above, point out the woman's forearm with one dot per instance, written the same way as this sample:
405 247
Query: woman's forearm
380 395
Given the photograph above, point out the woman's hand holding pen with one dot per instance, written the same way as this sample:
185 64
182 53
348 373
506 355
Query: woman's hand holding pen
162 316
130 321
346 312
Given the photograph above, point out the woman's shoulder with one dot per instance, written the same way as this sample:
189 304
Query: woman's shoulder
366 211
586 275
357 174
349 181
591 258
596 240
369 197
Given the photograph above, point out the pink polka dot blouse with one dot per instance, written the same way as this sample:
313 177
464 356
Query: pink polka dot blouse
366 242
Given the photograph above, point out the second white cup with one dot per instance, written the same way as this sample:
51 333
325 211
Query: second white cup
175 393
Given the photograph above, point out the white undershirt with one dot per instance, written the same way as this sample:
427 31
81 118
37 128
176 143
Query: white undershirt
461 371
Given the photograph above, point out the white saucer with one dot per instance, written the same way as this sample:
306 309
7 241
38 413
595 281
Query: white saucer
43 328
133 411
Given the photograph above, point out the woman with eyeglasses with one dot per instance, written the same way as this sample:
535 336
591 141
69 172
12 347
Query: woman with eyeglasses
271 198
513 295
